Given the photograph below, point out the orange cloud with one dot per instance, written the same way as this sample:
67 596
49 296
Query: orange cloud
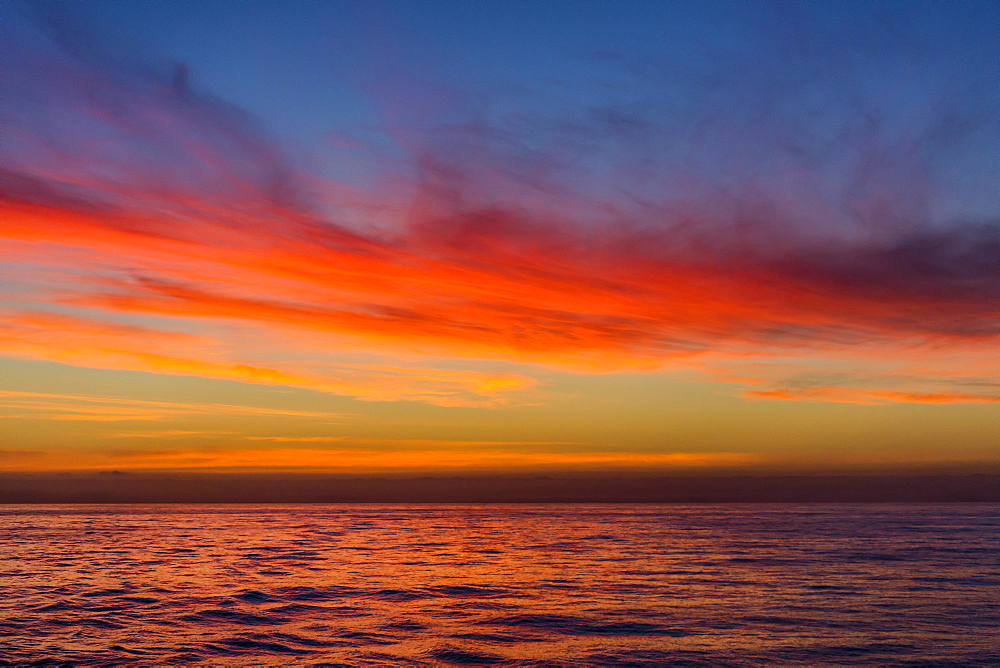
485 284
871 397
97 344
43 406
425 455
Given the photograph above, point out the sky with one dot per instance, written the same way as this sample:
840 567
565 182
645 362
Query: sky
511 236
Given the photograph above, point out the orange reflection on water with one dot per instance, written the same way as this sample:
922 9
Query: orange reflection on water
590 584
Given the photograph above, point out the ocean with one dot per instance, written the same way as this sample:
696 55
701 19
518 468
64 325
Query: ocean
555 585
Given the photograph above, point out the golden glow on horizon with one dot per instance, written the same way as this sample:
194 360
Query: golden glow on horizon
364 458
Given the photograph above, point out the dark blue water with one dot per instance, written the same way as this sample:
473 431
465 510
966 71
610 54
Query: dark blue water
518 585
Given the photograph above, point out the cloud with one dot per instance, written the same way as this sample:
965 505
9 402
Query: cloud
422 456
625 234
47 406
952 375
99 344
171 433
872 397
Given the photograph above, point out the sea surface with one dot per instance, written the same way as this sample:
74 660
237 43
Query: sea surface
740 585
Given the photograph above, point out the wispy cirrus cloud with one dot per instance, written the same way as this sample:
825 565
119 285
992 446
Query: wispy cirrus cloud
48 406
872 397
620 236
928 375
100 344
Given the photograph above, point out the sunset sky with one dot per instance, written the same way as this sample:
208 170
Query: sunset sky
499 236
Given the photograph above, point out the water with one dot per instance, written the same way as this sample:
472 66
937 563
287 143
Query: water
524 585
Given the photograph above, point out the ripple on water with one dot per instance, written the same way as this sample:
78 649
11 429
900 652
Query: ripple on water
577 626
499 638
460 657
233 617
245 645
55 607
302 593
397 595
404 626
563 585
142 600
470 591
306 611
254 596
